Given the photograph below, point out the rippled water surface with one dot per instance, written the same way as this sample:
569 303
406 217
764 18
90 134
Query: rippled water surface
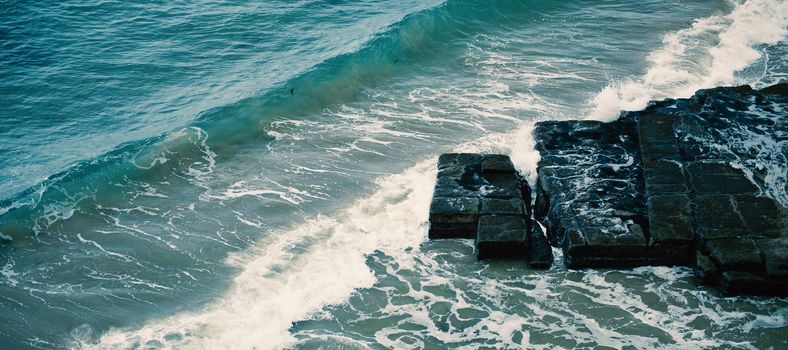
230 175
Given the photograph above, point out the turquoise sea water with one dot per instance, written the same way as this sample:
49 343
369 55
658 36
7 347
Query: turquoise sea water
205 175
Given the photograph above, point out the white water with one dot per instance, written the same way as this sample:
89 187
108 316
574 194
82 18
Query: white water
292 274
705 55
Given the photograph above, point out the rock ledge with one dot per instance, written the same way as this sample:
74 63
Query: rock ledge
695 181
698 182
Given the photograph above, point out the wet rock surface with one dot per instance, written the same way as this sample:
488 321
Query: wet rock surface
540 253
698 181
483 197
590 192
501 236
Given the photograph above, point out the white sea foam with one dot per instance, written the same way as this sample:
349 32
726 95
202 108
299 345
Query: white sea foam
100 247
707 54
8 274
291 274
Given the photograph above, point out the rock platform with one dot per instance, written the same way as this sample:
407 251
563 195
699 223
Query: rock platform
699 182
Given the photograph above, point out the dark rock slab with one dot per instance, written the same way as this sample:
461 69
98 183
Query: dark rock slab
657 136
718 160
698 181
739 282
716 217
470 186
664 176
775 253
482 196
505 206
762 216
620 244
458 160
670 230
540 251
454 217
502 236
719 177
498 185
669 219
497 164
590 192
741 254
705 270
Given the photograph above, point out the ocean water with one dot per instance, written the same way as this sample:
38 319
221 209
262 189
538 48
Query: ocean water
209 175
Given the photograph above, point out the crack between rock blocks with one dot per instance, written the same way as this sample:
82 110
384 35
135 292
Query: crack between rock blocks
738 212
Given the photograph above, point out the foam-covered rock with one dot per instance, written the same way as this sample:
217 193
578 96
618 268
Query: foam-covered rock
482 196
590 191
698 181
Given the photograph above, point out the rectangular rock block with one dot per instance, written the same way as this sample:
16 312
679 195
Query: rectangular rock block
612 237
605 246
457 181
540 251
670 220
664 176
452 217
502 186
775 254
463 180
716 217
497 164
657 137
740 254
719 177
740 283
670 254
500 236
745 283
656 128
763 216
458 160
506 206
